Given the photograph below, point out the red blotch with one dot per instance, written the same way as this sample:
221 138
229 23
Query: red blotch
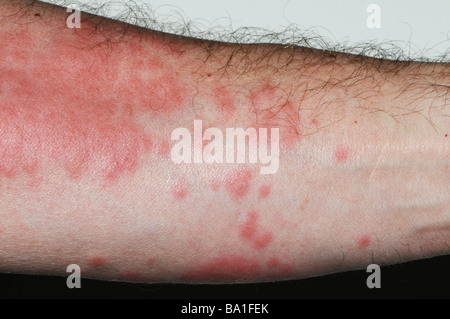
238 183
341 153
85 122
364 241
264 191
82 137
278 268
273 262
208 75
224 101
446 135
177 47
162 148
248 229
159 88
263 240
226 268
97 261
356 122
179 190
273 112
164 94
315 122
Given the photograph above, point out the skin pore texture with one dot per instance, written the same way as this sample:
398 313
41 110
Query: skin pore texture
86 175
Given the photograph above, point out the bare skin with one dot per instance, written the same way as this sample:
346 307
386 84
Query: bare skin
87 178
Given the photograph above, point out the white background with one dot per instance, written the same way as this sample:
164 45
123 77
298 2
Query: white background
418 27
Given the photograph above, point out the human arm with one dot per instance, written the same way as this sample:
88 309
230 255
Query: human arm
87 177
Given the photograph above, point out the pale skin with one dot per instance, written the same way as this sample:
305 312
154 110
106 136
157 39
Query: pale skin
86 175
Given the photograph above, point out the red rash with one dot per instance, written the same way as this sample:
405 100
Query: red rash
341 153
162 148
238 183
248 229
251 231
97 261
164 94
151 83
177 48
278 268
271 112
79 140
168 46
273 262
93 133
364 241
264 191
179 190
224 101
227 267
263 240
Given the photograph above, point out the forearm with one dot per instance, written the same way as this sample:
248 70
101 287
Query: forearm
88 178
